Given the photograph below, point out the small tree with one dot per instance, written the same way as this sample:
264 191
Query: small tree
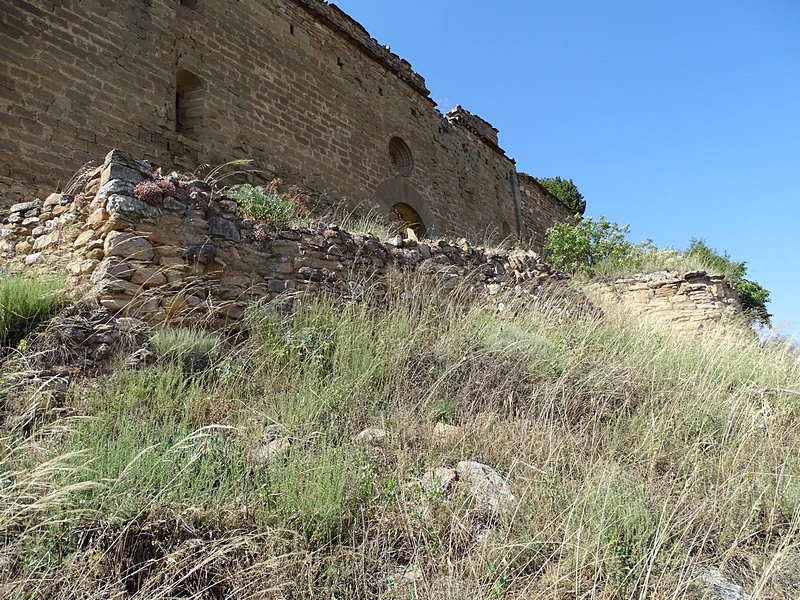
582 247
566 191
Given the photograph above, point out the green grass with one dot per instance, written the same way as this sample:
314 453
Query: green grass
25 301
639 456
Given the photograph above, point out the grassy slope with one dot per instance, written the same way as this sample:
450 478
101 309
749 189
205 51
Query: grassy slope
640 458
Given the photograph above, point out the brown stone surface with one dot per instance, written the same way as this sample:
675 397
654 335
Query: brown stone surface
692 301
295 85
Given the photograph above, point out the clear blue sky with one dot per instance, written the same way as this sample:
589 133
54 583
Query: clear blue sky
680 118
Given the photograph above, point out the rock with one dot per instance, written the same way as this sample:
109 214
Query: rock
128 245
373 436
25 206
128 207
32 259
202 253
115 304
268 452
148 277
439 480
83 238
46 241
111 267
722 588
116 186
486 486
224 228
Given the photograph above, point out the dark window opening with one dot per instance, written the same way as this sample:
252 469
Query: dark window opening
190 4
190 103
506 229
291 29
406 218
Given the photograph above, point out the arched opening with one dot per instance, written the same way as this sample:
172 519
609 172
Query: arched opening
190 4
506 229
401 157
403 206
407 218
190 103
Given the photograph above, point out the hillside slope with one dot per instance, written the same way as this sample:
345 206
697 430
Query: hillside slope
423 446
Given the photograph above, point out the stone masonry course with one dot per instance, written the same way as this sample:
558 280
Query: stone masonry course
296 86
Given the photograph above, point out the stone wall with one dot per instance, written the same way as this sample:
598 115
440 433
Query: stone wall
539 209
171 249
689 301
295 85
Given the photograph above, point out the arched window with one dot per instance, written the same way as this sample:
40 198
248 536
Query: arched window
401 157
190 103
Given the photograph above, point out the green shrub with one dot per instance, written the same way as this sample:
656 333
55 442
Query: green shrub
582 247
754 298
266 206
24 302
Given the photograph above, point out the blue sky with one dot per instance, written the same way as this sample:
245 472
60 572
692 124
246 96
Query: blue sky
680 118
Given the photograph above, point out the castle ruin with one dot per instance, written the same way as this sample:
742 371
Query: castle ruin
295 85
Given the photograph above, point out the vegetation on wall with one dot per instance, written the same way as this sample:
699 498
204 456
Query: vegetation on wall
566 191
600 248
270 205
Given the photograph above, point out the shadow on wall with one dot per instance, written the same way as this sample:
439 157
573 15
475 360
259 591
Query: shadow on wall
401 202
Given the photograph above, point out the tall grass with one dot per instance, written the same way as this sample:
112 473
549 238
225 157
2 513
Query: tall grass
25 301
641 458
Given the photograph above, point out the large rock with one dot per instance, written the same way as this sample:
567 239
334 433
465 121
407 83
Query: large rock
128 245
128 207
486 486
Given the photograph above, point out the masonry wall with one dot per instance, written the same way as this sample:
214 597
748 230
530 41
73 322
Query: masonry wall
691 301
183 254
540 210
295 85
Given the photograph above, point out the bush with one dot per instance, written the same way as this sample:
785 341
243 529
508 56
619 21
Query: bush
566 191
591 247
269 205
24 302
754 298
582 247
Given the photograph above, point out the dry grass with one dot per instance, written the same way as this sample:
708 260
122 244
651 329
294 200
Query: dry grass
640 458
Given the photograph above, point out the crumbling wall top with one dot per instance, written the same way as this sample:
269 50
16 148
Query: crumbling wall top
480 127
339 21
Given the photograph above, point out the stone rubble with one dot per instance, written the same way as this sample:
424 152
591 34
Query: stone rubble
187 257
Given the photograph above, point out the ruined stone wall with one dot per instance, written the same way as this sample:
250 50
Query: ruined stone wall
540 209
690 301
295 85
184 254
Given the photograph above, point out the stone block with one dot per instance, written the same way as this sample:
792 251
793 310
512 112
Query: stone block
83 239
224 228
47 241
128 245
120 171
148 277
129 207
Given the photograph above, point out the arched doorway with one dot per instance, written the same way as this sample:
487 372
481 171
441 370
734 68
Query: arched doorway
402 204
407 218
